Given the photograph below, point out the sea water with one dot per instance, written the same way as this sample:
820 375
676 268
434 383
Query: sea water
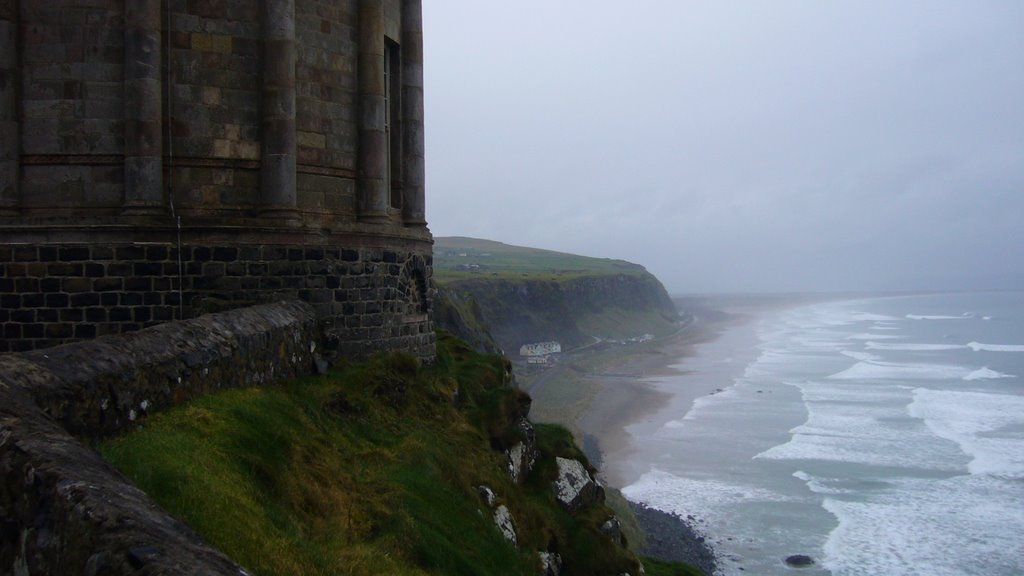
877 436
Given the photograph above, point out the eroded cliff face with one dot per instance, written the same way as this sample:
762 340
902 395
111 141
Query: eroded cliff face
572 311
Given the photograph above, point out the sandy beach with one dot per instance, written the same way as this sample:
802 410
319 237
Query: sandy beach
628 395
616 398
637 390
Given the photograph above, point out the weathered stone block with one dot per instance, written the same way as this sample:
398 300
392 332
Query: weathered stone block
574 487
76 284
107 284
211 42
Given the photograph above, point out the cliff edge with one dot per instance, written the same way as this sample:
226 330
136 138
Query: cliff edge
498 296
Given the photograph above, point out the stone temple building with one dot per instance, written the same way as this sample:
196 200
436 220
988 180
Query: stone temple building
164 158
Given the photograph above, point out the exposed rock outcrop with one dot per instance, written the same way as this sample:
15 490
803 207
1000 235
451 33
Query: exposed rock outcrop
487 495
503 520
613 530
523 455
799 561
574 487
550 563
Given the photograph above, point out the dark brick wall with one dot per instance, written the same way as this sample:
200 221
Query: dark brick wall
368 299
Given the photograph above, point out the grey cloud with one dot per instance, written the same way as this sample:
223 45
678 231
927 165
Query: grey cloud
761 146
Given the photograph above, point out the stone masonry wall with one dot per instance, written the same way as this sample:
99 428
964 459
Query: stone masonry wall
72 91
327 127
368 299
164 158
65 510
215 72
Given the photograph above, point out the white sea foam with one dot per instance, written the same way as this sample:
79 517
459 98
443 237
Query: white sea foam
867 441
794 359
823 393
900 371
862 356
869 317
827 317
853 449
921 480
774 357
913 527
704 403
820 485
987 373
864 424
978 347
908 347
823 342
976 421
867 336
679 495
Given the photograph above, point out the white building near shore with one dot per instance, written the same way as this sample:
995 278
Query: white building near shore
540 349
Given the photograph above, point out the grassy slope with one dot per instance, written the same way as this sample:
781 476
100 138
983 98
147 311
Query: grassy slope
506 261
371 469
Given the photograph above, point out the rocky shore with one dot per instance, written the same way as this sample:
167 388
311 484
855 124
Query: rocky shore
670 537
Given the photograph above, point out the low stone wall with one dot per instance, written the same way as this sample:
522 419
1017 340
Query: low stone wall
66 511
369 299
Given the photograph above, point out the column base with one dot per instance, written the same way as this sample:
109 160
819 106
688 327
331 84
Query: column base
144 209
375 218
289 216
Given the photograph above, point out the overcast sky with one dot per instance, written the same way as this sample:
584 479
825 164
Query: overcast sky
773 145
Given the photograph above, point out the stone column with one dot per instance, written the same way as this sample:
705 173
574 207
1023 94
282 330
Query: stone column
373 193
143 137
413 165
277 174
10 197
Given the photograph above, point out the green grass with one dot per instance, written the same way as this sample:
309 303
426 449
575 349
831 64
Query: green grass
371 469
455 258
654 567
565 399
618 323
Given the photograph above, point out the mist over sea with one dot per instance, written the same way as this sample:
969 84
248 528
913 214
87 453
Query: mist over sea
878 436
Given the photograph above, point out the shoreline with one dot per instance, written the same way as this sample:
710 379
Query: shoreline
671 537
639 391
629 394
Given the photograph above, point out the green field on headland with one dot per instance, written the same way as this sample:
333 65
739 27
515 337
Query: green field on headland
459 258
373 468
